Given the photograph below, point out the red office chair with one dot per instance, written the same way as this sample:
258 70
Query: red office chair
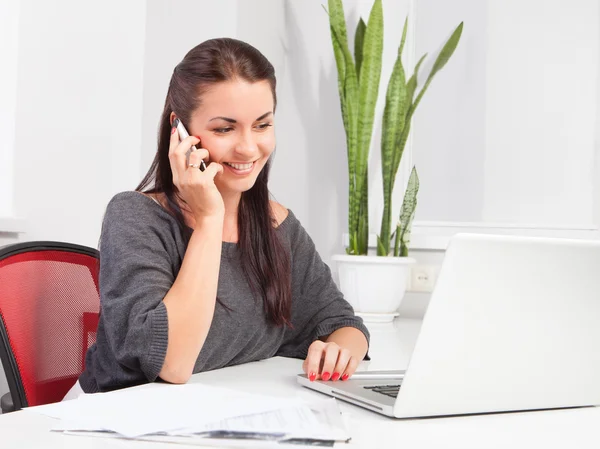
49 308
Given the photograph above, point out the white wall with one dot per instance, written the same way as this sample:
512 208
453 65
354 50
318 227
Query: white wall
307 168
541 131
506 133
78 117
449 125
596 164
9 33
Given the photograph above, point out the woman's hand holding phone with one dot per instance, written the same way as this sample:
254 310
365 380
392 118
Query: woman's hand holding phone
196 187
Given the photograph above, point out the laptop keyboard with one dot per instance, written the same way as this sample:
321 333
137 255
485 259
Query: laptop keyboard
388 390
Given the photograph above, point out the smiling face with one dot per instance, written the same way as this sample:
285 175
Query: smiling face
236 125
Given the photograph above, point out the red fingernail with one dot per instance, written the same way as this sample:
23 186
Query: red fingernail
197 137
335 376
325 375
345 377
173 130
312 377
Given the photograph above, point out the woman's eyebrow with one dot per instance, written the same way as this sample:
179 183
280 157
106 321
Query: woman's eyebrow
230 120
263 116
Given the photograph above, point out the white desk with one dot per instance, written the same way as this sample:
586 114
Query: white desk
561 429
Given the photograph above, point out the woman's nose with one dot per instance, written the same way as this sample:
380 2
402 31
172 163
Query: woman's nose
247 145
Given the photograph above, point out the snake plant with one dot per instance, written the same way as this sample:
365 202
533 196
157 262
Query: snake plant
358 85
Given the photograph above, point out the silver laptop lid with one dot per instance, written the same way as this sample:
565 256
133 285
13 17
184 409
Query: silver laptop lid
513 324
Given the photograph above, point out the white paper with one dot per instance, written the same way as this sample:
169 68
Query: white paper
141 411
318 420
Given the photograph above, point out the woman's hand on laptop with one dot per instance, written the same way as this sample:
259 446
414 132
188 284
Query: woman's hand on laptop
337 357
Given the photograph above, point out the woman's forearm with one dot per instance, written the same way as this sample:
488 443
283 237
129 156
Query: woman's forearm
190 302
351 339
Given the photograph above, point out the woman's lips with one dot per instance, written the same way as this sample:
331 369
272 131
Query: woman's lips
240 169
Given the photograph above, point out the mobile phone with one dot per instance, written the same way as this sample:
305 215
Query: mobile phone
183 133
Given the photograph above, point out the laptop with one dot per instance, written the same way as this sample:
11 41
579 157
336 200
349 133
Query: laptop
513 324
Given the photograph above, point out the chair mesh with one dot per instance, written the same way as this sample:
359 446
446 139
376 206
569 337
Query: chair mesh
49 304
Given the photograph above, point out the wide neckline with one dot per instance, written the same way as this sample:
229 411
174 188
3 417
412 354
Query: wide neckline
228 248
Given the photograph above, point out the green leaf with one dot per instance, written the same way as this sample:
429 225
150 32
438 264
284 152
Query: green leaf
407 213
405 241
402 137
447 50
363 219
381 251
370 74
442 59
352 248
400 145
394 116
341 68
337 20
440 62
350 106
403 40
359 39
339 39
337 27
412 82
397 241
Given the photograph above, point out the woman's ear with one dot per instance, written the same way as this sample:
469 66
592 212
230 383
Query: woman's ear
172 117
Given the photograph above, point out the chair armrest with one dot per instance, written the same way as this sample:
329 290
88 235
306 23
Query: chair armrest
6 403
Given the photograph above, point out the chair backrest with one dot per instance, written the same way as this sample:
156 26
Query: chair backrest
49 306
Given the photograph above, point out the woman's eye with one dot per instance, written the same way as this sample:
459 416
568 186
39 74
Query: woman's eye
264 125
223 130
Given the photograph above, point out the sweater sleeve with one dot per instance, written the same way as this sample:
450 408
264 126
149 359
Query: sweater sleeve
136 272
318 307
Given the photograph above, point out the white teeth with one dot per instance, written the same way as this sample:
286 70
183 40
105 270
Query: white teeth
240 166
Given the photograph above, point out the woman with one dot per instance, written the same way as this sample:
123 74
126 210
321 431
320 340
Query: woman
199 269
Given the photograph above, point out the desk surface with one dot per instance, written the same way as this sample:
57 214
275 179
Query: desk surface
562 429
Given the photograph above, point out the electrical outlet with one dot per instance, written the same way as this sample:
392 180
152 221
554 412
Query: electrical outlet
423 278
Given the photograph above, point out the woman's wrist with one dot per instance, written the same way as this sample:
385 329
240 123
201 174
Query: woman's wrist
352 339
209 221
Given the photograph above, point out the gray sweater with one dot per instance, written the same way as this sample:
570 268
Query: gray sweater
141 251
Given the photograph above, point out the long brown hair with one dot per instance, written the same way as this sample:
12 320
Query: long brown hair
264 259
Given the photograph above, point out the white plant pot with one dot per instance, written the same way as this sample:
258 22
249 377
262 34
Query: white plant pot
373 285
